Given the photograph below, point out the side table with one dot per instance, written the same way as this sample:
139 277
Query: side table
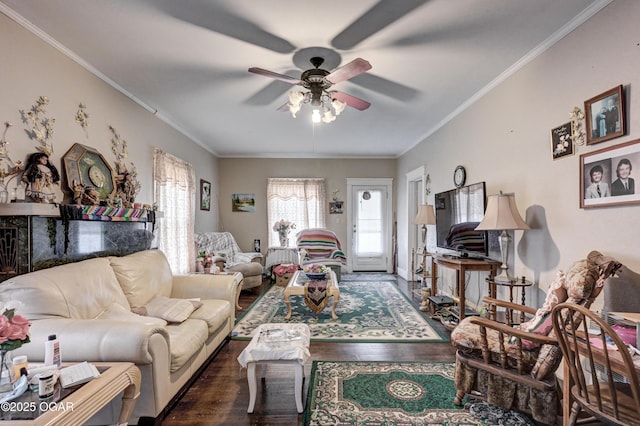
277 343
88 399
522 283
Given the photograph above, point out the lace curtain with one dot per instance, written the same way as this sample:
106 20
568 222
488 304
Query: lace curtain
175 193
301 201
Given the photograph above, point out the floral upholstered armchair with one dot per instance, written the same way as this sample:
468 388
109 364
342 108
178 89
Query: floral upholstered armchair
227 254
514 367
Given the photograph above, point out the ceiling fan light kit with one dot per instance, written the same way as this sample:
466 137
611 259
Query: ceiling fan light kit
327 105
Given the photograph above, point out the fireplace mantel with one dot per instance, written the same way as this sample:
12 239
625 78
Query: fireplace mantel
39 235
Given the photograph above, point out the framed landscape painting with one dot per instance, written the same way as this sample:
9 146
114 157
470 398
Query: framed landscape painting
606 176
605 116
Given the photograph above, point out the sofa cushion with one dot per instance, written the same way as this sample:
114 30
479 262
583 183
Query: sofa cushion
143 276
119 313
63 291
215 312
172 310
186 339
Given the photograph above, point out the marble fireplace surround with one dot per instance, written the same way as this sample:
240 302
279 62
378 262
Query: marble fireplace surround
37 236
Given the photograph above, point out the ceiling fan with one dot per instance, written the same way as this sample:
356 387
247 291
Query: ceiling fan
327 103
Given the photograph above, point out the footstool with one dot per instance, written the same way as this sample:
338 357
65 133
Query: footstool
276 344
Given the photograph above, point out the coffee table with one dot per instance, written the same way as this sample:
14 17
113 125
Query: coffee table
79 406
296 287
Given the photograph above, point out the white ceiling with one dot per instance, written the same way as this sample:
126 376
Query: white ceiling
188 61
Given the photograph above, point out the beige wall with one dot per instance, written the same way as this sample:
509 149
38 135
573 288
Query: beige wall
504 139
240 175
32 68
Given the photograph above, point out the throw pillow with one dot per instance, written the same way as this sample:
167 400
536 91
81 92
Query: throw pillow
172 310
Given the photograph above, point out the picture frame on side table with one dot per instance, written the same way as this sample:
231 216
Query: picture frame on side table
605 116
561 141
205 195
606 176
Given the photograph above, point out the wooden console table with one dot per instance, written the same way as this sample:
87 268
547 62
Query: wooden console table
461 266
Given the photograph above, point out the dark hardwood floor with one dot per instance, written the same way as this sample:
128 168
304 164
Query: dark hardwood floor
220 396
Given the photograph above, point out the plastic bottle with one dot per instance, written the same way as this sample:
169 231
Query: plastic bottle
52 352
19 362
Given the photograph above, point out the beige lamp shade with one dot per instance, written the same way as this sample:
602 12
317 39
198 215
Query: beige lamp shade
502 213
425 216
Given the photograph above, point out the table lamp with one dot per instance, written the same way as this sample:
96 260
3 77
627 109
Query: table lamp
425 216
502 214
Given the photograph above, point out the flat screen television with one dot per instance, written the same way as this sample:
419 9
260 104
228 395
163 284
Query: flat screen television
458 212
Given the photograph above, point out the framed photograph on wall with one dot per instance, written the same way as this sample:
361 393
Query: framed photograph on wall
205 195
605 116
606 176
561 142
335 207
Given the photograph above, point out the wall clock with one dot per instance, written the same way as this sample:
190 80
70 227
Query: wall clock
459 176
87 166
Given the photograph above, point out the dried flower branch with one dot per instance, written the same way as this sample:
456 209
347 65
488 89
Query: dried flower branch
41 126
82 116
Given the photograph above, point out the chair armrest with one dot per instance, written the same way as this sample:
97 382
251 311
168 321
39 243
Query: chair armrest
509 305
247 257
511 331
206 286
98 340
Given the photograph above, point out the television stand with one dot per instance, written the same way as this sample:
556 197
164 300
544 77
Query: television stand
461 266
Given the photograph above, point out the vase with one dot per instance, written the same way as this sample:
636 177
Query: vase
5 371
284 239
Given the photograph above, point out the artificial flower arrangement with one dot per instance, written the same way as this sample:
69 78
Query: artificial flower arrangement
285 269
316 268
283 226
14 330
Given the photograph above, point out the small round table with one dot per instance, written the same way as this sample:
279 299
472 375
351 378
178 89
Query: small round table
521 283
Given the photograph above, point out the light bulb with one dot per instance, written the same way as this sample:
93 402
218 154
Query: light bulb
315 116
338 106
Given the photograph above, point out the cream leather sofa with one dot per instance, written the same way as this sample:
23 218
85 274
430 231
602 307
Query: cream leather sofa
88 305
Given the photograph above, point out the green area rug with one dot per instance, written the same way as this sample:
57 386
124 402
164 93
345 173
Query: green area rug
367 276
367 311
392 393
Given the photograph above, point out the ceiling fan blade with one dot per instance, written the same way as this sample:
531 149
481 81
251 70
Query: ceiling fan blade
384 13
271 74
217 18
352 101
345 72
283 108
386 87
268 94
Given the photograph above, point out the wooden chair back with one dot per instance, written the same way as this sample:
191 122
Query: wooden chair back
593 359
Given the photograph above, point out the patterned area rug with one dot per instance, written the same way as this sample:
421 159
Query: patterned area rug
367 312
392 393
367 276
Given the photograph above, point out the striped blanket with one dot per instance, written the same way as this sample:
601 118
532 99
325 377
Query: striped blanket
320 245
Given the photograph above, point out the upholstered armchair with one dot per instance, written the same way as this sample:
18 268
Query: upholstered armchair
228 255
317 245
515 366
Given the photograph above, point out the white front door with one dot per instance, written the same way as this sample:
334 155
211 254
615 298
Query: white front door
370 245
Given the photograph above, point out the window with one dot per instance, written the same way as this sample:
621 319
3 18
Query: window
301 201
175 193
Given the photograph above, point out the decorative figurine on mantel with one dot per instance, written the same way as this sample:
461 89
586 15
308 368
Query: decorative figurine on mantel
127 184
42 178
